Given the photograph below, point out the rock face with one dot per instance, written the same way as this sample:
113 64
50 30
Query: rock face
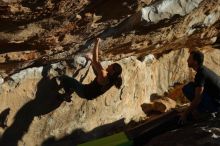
28 91
39 40
160 105
34 33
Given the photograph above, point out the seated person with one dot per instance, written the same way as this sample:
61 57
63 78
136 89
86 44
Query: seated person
204 92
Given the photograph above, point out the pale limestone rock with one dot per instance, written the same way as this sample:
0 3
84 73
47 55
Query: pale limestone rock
162 105
1 80
168 8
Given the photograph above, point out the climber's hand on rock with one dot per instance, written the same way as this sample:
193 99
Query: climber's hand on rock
88 56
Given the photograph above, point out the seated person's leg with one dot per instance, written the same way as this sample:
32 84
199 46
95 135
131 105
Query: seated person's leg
207 103
189 91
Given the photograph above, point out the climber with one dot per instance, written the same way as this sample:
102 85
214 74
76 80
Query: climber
204 92
104 80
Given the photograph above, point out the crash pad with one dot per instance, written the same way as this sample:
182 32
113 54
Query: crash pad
119 139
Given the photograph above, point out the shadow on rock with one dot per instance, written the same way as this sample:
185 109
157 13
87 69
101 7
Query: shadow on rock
4 117
46 100
79 136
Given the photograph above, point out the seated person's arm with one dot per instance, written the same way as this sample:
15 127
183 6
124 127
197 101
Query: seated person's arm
199 83
196 100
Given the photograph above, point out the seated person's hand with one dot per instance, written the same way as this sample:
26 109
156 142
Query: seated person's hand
182 118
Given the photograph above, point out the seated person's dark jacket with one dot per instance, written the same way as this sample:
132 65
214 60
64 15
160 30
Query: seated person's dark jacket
210 81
